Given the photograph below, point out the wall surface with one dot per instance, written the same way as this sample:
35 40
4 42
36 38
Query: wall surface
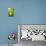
26 12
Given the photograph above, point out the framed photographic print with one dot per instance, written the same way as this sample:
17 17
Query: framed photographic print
10 12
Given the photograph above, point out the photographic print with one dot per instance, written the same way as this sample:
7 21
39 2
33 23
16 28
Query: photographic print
10 12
